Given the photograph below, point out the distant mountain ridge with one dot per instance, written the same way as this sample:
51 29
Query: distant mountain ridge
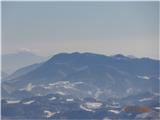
15 61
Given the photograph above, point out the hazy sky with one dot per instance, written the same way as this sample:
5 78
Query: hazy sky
101 27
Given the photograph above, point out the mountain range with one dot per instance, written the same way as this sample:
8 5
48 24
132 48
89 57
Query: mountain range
84 76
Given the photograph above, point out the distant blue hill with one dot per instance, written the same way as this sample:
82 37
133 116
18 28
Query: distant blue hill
15 61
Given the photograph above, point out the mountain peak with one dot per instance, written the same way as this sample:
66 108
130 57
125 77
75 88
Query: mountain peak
120 56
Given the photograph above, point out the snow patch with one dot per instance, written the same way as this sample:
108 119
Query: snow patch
78 83
144 77
61 93
157 108
113 106
145 99
49 113
28 102
68 86
157 94
52 98
29 87
69 99
59 83
86 109
22 89
130 91
52 84
13 101
142 116
48 87
93 105
89 92
114 111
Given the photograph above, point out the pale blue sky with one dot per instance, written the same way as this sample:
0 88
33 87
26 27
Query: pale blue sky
101 27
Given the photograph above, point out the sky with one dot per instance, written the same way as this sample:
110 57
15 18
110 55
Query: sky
47 28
